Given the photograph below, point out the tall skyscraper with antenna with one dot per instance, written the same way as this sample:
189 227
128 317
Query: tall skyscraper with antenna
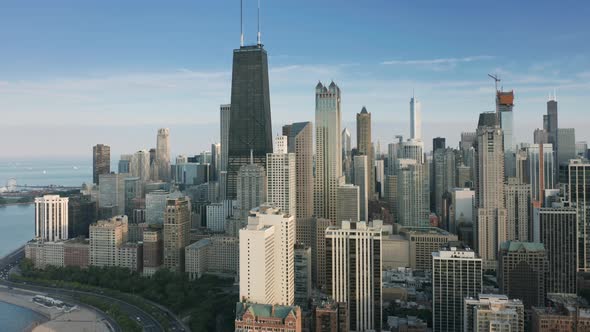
250 120
415 118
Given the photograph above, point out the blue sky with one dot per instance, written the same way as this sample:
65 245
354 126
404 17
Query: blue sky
76 73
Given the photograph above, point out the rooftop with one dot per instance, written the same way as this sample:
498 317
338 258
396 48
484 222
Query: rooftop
265 310
526 246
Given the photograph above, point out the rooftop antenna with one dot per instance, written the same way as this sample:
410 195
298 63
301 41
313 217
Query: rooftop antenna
241 23
555 94
259 42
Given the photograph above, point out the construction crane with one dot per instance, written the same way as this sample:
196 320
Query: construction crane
496 79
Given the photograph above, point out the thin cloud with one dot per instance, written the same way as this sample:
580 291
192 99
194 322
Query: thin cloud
439 61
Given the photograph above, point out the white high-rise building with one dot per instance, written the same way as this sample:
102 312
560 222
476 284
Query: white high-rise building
413 193
415 119
267 257
140 165
353 256
328 150
361 179
456 274
163 154
51 218
281 177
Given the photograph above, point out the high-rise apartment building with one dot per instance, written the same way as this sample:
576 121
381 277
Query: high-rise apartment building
578 195
444 168
177 225
361 180
163 154
281 177
353 257
557 229
250 131
413 193
493 312
153 250
328 150
518 210
423 241
106 238
101 161
267 257
489 194
348 206
522 269
301 143
456 274
51 218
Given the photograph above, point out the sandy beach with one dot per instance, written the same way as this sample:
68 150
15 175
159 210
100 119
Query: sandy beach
81 319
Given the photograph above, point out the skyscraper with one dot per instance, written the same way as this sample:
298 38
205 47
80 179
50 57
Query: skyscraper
489 193
557 229
177 225
348 203
163 154
140 165
224 112
300 136
51 218
438 143
565 151
281 177
106 237
346 155
444 168
504 106
456 274
251 187
250 117
364 146
578 195
522 269
361 179
101 161
413 193
328 150
415 118
541 169
267 257
550 124
353 256
518 210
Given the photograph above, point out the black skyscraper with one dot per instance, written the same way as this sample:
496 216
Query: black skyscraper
250 122
438 143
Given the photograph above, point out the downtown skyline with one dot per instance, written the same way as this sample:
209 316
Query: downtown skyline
138 80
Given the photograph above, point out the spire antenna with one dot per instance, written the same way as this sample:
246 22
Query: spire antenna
241 23
259 41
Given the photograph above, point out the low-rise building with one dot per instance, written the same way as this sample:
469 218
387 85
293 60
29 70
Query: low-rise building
330 316
563 312
267 317
77 252
492 312
131 256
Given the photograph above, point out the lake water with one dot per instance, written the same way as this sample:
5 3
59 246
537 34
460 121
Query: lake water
15 319
17 222
41 172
